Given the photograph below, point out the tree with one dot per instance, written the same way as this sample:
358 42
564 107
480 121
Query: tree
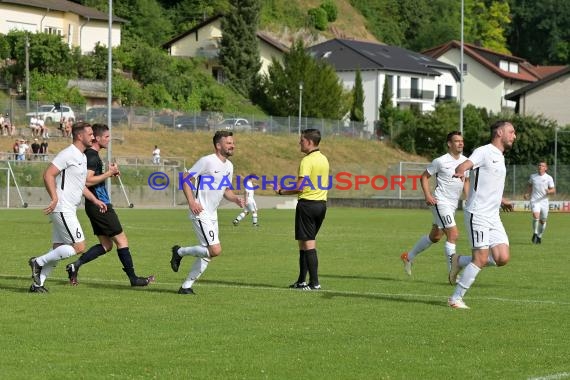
541 31
239 54
486 24
357 109
323 94
386 112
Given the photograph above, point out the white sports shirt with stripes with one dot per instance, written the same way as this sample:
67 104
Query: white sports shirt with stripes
70 182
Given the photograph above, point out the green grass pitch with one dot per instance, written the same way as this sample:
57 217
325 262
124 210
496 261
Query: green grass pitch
370 321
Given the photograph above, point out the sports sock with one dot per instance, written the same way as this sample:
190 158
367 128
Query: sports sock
313 266
535 226
55 255
467 279
93 252
127 261
420 246
196 251
464 261
449 249
254 216
199 267
541 228
46 270
491 261
240 216
303 267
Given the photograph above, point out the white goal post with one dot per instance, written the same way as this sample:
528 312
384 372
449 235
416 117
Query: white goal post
411 169
11 178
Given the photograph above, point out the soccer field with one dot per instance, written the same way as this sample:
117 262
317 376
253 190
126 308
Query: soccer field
370 321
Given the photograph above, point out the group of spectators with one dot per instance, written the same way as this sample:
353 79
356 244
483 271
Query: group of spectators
6 126
23 150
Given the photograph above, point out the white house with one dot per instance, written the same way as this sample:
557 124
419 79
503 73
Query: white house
203 40
547 97
414 80
488 75
78 26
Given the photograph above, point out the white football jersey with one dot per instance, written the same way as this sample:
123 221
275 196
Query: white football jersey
448 189
70 182
213 177
487 181
540 183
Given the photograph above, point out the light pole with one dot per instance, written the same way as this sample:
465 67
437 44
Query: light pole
556 132
461 71
109 90
300 104
27 73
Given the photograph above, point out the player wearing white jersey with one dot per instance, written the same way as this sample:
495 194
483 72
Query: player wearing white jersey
540 186
212 177
65 183
443 202
250 205
482 220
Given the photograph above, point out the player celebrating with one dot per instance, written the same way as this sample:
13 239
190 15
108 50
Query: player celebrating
203 202
540 186
250 205
443 202
106 226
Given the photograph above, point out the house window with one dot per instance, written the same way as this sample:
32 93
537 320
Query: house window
415 92
53 30
399 88
513 67
504 65
448 91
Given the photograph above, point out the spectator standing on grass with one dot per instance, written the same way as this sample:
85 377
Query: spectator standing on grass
311 207
444 201
64 180
540 186
22 150
203 201
489 240
16 148
156 155
250 205
106 225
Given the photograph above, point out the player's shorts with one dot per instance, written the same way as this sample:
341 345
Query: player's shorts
309 216
485 232
540 207
443 215
206 229
251 206
103 223
66 228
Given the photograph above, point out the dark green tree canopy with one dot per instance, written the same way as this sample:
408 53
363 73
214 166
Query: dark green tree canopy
239 52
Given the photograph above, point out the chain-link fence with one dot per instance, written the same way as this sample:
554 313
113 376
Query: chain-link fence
149 118
148 185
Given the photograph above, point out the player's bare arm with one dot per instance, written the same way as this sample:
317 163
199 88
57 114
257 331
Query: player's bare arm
193 204
93 179
50 175
424 181
298 188
233 197
462 168
90 196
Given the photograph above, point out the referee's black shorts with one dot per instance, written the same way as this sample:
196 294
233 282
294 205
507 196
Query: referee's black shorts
107 223
309 216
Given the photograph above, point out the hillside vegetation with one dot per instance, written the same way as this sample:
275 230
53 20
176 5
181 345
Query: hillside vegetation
258 153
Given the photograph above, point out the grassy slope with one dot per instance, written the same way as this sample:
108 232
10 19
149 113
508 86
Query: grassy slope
258 153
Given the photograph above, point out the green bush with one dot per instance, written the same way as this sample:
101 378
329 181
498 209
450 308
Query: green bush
318 18
330 8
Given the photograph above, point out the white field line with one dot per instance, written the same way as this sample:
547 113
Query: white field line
330 291
555 376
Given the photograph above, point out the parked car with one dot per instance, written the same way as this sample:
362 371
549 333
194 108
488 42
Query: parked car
235 124
184 121
99 115
52 112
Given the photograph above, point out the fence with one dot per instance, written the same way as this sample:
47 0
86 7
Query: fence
148 118
354 181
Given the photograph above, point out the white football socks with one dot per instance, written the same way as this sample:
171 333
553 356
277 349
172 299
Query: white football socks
196 251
